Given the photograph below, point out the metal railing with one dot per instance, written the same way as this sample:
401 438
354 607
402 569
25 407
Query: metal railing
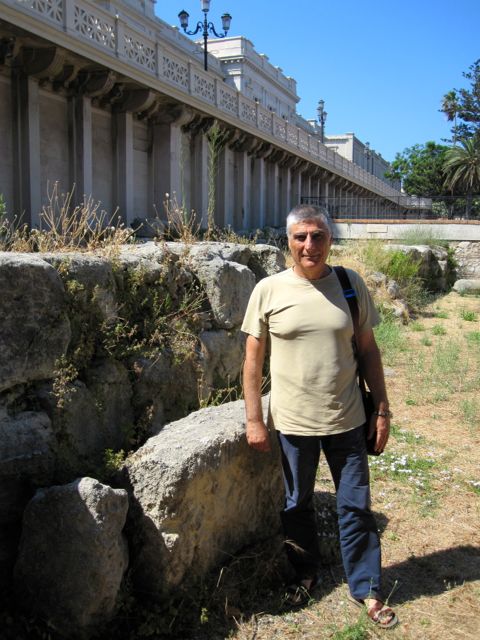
353 207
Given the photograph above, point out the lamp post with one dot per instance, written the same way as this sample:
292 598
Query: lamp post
322 118
206 26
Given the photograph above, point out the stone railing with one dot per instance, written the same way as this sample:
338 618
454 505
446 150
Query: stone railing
162 53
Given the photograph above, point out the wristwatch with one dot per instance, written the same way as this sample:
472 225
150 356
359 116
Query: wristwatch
383 414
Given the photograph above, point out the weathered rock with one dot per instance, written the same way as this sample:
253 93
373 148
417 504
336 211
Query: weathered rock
27 460
90 417
72 555
467 286
434 267
393 289
109 384
228 286
157 394
90 279
376 279
265 260
467 256
34 328
224 353
198 494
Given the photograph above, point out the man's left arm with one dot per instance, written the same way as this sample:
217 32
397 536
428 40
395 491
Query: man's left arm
372 369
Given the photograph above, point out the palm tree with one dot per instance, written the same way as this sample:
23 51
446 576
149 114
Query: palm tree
450 108
462 169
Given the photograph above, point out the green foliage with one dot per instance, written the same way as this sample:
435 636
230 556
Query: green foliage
417 326
462 169
390 340
420 169
473 337
439 330
470 410
464 105
356 631
216 138
469 316
421 234
399 266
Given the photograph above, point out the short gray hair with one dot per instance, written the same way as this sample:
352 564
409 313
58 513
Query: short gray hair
303 212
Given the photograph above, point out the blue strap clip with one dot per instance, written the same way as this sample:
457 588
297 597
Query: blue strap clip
349 293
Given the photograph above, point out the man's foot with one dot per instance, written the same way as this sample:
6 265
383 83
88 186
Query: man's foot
378 613
298 593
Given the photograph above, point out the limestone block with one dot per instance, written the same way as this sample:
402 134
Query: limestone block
109 384
198 494
35 330
266 260
223 357
157 394
467 286
95 275
27 450
90 417
72 555
228 286
393 289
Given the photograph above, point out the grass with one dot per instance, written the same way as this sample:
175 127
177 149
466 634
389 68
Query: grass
468 315
421 235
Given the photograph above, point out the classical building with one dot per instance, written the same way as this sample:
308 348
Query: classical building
350 147
106 96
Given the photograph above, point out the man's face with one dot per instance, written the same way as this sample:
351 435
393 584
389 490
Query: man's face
309 244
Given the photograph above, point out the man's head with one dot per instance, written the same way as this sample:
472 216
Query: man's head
309 232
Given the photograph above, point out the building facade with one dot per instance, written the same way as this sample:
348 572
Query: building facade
106 98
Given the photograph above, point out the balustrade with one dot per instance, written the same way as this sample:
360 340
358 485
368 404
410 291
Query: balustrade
150 45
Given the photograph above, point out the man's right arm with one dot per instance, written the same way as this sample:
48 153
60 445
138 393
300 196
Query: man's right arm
257 432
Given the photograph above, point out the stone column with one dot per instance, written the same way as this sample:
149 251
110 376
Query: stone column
26 147
242 186
199 155
272 194
296 190
225 190
166 154
80 134
258 192
123 164
285 202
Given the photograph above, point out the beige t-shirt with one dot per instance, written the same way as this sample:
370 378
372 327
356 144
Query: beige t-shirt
313 369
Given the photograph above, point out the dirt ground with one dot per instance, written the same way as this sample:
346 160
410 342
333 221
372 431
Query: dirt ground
426 497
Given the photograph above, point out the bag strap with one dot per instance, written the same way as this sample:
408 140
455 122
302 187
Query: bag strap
352 300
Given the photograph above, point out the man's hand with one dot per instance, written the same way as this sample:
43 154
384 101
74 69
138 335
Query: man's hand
382 425
257 436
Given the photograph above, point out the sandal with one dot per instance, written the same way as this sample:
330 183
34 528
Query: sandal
385 617
298 594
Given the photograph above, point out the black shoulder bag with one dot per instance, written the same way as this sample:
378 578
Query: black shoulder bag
368 405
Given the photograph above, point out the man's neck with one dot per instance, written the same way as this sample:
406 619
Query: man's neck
312 275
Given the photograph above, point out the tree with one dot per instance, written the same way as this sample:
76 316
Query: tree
467 102
420 169
462 169
450 109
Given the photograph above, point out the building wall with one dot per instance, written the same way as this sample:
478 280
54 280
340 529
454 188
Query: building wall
54 145
142 204
102 160
6 126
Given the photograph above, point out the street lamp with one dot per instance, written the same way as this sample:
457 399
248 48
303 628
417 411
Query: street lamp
206 26
322 118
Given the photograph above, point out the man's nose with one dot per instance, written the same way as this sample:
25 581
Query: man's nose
309 242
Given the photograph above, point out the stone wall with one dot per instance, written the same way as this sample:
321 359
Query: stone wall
100 354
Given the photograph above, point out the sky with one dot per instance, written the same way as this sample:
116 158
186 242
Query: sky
382 66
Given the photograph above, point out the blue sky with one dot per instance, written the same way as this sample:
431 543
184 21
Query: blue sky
381 66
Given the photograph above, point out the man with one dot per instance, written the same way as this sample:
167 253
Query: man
315 404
